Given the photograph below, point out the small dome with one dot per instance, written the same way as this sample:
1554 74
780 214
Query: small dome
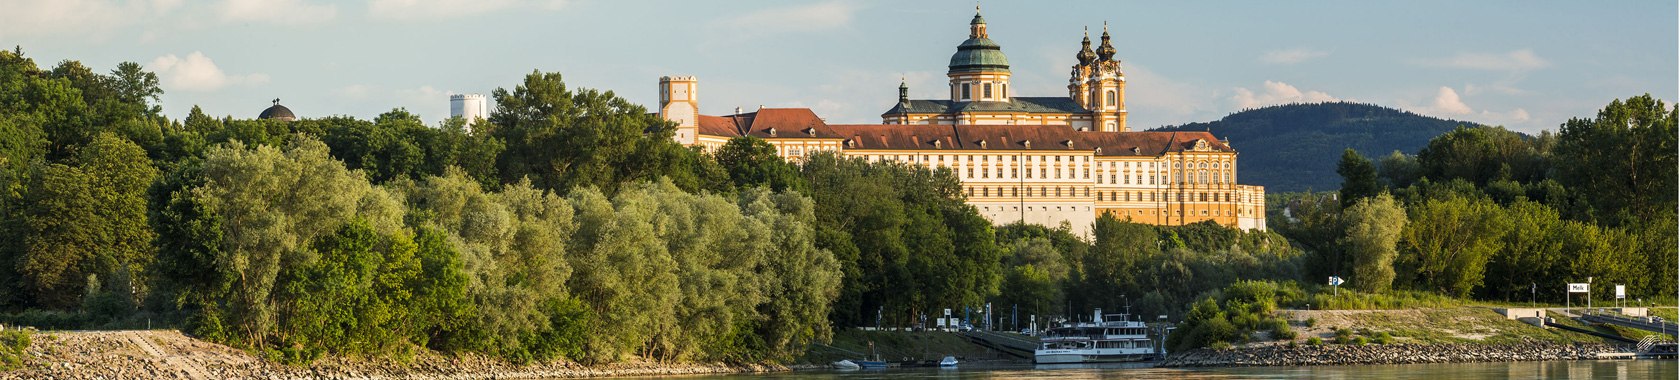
277 112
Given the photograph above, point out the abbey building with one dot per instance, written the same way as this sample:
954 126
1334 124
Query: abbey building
1044 160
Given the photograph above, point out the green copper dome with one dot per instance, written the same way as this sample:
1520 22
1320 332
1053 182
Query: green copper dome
978 53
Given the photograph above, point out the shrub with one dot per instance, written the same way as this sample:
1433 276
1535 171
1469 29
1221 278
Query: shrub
14 344
1315 341
1281 330
1312 322
1383 338
1220 345
1359 341
1344 336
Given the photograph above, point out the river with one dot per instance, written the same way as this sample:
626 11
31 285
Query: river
1587 369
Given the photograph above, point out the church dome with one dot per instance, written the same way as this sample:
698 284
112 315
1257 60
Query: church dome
277 112
978 53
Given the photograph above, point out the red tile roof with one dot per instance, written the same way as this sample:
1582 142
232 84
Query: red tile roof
768 123
802 123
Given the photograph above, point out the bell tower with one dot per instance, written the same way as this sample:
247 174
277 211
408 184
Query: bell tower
679 102
1098 85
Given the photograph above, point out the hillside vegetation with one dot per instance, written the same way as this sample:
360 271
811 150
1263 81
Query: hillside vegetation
1289 148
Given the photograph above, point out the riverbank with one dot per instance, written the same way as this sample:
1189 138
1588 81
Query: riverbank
1404 353
167 354
1405 336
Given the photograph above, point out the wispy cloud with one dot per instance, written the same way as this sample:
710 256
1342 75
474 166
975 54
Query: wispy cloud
765 22
197 73
1517 60
291 12
76 17
439 9
1292 56
1277 93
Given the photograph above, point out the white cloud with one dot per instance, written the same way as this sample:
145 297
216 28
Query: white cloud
1277 93
276 11
1518 60
76 17
197 73
436 9
1292 56
1154 100
1448 103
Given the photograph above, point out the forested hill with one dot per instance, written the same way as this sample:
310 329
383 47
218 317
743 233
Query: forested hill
1295 147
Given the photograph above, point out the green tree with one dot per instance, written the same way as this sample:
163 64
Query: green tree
1447 243
751 161
1359 178
89 219
1372 229
1622 161
563 139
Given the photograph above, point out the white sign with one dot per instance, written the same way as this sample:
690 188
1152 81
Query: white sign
1577 288
1621 292
1336 281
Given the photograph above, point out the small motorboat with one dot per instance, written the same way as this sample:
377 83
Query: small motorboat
872 364
948 362
846 365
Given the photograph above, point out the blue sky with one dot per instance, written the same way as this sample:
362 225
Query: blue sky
1528 65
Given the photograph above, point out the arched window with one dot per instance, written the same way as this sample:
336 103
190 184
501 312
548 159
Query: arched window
986 90
1109 98
965 93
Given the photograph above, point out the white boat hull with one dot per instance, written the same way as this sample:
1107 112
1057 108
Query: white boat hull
1089 356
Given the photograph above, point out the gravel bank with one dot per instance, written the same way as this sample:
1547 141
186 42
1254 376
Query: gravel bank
1301 355
167 354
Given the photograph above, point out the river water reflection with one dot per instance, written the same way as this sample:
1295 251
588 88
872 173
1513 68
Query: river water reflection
1600 369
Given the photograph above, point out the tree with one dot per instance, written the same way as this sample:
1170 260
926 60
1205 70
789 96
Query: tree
1447 243
1622 161
751 161
269 205
1398 170
1373 227
1359 178
564 140
88 219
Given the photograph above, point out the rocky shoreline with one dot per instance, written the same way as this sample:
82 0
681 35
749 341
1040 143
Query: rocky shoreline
165 354
1305 355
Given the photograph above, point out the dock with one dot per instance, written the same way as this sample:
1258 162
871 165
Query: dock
1016 345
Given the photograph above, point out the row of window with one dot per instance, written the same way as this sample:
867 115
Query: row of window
966 90
1109 196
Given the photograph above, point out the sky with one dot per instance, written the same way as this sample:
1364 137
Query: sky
1526 65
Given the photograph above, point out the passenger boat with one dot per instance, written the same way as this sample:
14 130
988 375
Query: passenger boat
1119 338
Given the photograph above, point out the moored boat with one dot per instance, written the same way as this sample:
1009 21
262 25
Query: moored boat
1116 338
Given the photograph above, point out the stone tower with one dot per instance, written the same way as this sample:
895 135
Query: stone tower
679 101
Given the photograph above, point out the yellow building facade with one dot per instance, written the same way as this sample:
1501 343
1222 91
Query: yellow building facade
1045 160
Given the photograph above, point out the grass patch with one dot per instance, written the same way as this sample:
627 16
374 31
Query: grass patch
14 345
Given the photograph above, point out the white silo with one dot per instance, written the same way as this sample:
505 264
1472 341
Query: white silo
469 107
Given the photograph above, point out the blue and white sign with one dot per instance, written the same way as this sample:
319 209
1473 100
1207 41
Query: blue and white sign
1336 281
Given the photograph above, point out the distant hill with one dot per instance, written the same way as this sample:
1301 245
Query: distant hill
1295 147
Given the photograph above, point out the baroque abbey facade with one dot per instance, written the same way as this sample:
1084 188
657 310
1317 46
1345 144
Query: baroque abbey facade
1043 160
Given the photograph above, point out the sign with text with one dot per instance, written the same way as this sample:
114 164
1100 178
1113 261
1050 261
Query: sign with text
1621 292
1336 281
1577 288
